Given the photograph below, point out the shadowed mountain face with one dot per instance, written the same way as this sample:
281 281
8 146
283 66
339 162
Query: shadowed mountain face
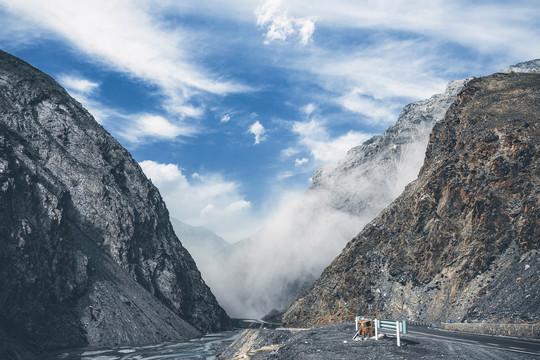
461 242
87 253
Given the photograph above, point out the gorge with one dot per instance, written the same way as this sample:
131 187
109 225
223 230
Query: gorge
89 256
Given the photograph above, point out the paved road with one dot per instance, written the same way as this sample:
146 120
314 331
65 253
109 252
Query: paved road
523 346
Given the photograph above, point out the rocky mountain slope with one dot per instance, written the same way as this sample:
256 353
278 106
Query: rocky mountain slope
461 242
373 174
87 255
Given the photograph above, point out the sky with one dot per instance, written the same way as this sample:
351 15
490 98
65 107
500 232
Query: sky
230 106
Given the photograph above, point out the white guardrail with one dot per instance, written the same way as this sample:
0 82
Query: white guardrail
395 325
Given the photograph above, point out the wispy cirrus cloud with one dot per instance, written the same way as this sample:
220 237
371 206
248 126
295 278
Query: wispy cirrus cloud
130 37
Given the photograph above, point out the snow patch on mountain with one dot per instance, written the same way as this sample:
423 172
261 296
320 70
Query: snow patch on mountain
531 66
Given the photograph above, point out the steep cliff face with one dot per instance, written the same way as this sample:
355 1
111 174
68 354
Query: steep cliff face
461 242
87 254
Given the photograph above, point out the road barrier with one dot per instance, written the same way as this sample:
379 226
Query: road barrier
396 325
516 330
422 323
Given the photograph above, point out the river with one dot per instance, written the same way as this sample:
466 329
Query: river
204 348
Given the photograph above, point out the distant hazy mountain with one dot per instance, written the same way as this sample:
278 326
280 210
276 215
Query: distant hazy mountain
88 255
198 240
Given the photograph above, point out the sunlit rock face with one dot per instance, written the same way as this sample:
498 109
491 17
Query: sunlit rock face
87 253
461 242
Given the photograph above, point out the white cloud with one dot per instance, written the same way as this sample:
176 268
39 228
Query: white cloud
376 112
163 174
77 84
307 28
491 27
288 152
324 148
299 162
280 26
258 130
225 118
148 126
309 108
203 200
135 128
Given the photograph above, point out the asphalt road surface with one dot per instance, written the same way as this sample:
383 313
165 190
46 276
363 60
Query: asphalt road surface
523 346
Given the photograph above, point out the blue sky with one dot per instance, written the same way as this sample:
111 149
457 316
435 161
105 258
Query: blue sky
230 106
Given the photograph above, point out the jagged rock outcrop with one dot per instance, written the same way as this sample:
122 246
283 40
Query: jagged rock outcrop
87 253
462 241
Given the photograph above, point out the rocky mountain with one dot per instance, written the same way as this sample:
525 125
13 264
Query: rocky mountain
373 174
462 241
88 255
